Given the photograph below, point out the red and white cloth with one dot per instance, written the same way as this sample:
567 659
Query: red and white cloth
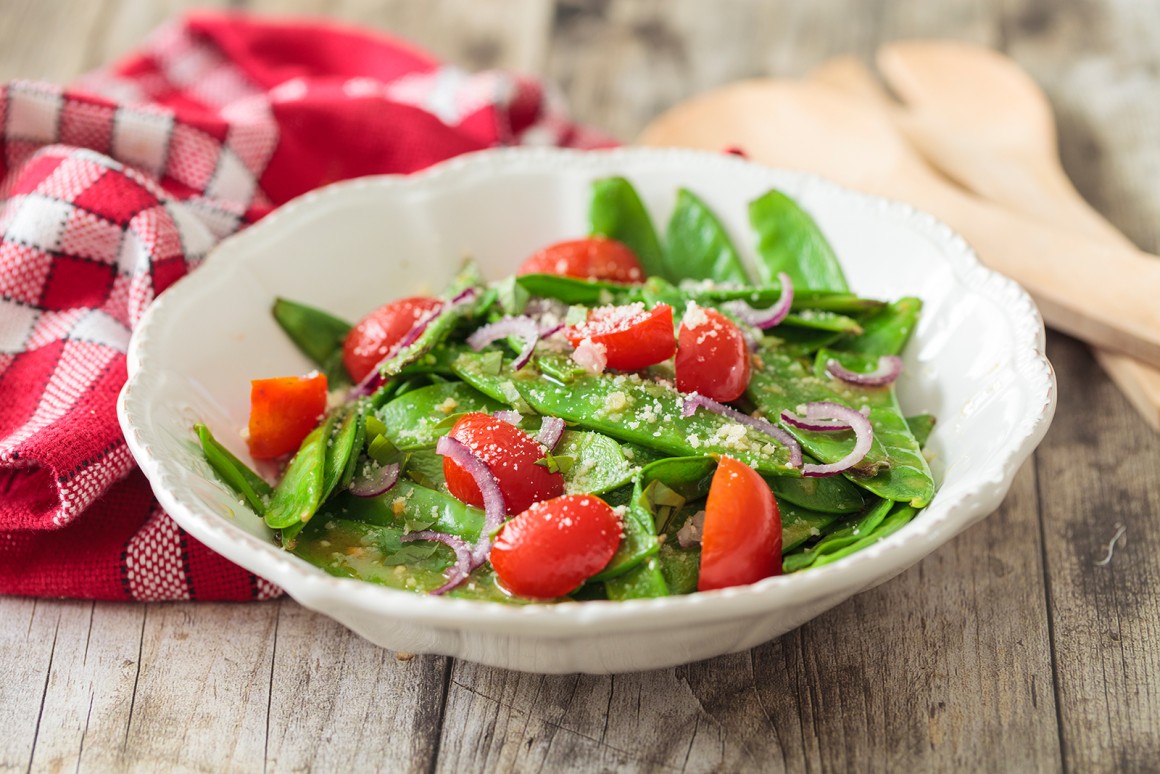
115 187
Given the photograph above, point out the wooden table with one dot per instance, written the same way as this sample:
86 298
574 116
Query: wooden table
1012 648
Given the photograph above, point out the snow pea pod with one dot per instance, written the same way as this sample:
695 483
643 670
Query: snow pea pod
616 211
415 420
413 506
894 468
826 495
683 478
339 460
789 240
815 320
839 539
573 290
886 331
680 567
921 426
799 525
318 334
597 463
233 471
698 246
299 493
632 409
898 518
642 582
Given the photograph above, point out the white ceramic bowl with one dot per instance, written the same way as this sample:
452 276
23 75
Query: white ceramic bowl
976 362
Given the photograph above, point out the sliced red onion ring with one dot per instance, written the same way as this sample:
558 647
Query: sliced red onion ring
375 481
374 379
766 318
494 507
857 421
511 417
551 428
464 559
522 327
551 330
889 368
695 400
818 425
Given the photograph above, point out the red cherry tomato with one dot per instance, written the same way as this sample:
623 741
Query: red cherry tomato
712 357
596 258
375 335
741 538
554 546
283 411
510 454
631 337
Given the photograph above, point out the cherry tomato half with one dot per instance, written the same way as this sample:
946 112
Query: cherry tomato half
510 454
554 546
712 357
596 258
283 411
375 335
741 539
632 337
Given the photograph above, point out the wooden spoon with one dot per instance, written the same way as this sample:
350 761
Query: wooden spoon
984 122
1104 295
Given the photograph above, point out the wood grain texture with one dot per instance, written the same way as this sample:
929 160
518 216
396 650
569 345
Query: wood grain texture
1007 650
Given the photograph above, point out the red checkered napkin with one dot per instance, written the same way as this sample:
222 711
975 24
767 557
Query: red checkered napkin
114 188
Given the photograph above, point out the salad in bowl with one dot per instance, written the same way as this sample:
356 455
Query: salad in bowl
567 411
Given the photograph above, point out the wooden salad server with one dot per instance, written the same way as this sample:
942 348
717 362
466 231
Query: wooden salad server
980 119
1100 293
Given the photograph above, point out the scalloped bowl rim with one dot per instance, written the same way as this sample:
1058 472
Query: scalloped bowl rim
311 586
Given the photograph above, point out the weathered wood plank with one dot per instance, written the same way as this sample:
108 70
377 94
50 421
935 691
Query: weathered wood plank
1097 63
28 641
38 46
200 701
339 703
89 693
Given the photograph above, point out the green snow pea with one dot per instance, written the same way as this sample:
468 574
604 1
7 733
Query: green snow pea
597 465
632 409
698 246
886 331
799 525
839 539
413 506
338 465
682 479
616 212
299 493
894 468
921 426
898 518
573 290
761 296
417 419
425 468
320 335
788 240
826 495
644 581
233 471
800 342
815 320
680 567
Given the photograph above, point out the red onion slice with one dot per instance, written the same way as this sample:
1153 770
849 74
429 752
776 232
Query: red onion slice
464 559
817 425
695 400
494 507
522 327
858 422
766 318
889 368
511 417
551 428
376 480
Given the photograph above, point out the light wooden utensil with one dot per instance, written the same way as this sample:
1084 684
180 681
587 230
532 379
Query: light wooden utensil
1100 293
980 119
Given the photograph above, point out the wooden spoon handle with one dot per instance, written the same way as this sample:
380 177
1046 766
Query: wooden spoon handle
1103 294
